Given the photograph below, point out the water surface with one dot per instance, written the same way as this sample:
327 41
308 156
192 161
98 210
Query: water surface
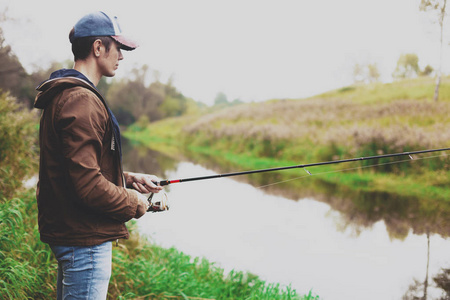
302 242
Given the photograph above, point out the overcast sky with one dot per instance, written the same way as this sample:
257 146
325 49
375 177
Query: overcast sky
251 50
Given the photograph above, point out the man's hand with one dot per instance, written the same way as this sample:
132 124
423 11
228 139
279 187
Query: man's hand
143 183
144 200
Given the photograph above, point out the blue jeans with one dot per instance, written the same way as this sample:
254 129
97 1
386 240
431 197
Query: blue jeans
83 272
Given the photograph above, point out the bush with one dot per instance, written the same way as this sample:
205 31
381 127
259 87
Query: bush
18 153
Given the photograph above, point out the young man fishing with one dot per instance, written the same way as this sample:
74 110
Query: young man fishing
84 197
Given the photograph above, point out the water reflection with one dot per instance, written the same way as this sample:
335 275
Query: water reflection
361 210
366 246
140 159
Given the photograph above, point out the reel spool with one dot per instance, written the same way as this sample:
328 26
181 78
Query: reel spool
158 202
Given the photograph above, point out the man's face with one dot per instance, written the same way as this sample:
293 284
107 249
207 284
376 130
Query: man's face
109 60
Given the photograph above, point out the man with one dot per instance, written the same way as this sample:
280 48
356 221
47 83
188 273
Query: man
84 197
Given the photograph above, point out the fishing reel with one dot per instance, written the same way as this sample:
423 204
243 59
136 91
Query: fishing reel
158 202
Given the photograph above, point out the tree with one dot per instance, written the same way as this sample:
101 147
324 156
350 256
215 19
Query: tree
373 73
14 78
11 70
358 73
130 99
221 99
438 7
363 73
427 71
407 66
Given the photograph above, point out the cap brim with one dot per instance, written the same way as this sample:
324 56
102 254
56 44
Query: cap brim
126 43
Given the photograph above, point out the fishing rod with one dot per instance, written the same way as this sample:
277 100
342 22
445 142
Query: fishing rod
167 182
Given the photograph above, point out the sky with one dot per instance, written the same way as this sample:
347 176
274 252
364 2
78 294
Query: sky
247 49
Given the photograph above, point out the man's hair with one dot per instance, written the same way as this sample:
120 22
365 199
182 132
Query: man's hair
81 47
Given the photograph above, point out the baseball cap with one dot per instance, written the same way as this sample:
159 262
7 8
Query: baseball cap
101 24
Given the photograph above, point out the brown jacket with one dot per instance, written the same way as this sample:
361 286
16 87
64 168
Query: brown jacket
81 196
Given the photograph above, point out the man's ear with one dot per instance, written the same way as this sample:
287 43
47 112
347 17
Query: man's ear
96 47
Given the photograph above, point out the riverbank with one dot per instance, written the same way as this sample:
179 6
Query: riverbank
350 122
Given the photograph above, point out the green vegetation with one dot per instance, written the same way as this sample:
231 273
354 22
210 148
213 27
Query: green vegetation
17 145
141 270
27 267
350 122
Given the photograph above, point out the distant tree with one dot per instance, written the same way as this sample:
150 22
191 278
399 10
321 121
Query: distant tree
407 66
358 73
427 71
130 99
373 73
11 70
221 99
236 101
438 7
14 78
365 73
29 82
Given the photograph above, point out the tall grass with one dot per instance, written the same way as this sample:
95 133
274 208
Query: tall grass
27 269
276 128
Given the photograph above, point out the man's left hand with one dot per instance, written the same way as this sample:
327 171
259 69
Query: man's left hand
144 183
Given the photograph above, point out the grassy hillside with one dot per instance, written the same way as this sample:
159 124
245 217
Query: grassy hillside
349 122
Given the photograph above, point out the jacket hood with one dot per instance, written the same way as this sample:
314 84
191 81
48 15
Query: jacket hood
59 80
67 78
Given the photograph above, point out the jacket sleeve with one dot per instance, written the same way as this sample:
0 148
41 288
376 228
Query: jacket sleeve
82 121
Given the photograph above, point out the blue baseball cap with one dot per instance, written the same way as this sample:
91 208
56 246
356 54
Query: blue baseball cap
101 24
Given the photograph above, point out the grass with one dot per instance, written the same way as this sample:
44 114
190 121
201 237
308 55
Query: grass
27 270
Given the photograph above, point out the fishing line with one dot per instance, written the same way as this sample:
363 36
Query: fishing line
350 169
302 166
162 203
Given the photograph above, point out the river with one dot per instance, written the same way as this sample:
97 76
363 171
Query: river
303 242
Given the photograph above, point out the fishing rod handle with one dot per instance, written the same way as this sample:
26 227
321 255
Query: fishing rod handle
162 182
